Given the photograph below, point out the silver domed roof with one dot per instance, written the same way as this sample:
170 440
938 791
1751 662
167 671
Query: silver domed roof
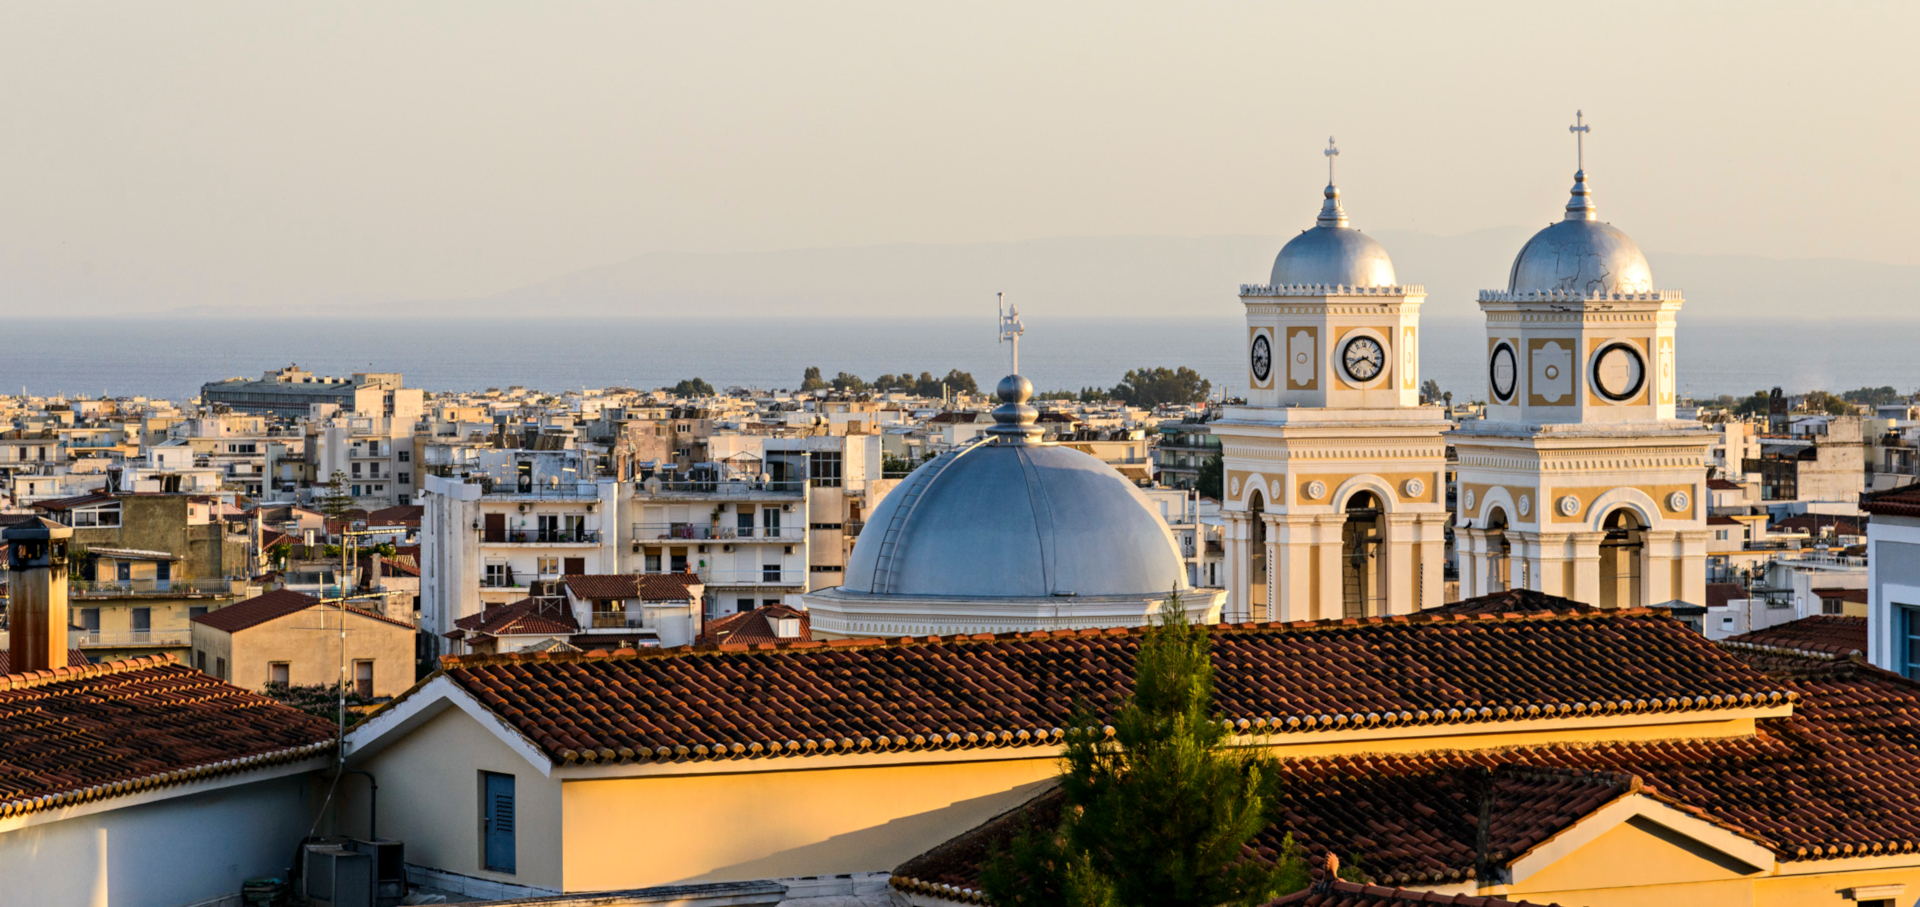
1580 254
1332 253
1014 518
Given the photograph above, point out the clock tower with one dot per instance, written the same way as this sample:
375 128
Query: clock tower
1335 475
1580 482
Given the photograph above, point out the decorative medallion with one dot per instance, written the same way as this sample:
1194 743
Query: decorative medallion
1524 505
1316 490
1413 488
1618 371
1262 358
1273 489
1468 500
1678 501
1233 486
1363 359
1569 505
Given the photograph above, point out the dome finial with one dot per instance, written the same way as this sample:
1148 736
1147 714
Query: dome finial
1331 214
1013 419
1580 206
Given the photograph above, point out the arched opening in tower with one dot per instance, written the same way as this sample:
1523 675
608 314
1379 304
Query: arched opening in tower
1499 552
1362 587
1622 554
1257 560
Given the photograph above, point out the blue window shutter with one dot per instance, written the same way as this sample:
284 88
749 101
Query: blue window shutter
500 821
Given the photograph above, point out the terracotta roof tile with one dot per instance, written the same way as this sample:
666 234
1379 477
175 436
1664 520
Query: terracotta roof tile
603 585
756 626
1902 501
1823 635
75 659
1718 594
668 587
1512 601
81 734
1835 779
1019 689
402 515
525 617
257 610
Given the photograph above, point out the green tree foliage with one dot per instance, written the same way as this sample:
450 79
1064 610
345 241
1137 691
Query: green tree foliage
895 467
339 498
847 382
1430 391
1157 814
1755 405
1151 387
926 385
693 387
811 381
1873 396
1212 481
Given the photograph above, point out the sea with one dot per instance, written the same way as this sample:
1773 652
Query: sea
171 357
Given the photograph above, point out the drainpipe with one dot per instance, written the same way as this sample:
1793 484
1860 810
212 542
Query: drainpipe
373 803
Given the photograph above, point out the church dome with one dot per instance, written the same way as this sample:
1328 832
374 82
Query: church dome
1580 254
1332 253
1007 519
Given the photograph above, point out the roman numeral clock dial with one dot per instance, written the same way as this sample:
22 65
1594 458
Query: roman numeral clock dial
1363 358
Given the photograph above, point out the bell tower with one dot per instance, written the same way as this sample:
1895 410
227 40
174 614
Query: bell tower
1334 473
1580 482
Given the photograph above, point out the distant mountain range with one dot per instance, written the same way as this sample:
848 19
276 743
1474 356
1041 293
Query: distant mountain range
1129 276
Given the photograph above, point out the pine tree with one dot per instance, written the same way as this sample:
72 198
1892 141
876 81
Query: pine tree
338 500
1157 812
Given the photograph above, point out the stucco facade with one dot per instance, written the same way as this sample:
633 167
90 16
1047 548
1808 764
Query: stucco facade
308 643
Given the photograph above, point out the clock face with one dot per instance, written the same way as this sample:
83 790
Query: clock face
1501 372
1262 358
1363 359
1618 371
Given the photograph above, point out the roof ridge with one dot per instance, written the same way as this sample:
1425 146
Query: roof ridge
28 680
874 642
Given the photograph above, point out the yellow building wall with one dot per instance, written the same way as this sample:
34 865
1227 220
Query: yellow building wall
309 642
639 832
430 794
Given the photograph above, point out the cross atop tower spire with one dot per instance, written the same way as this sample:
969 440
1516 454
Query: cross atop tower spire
1331 153
1331 214
1580 130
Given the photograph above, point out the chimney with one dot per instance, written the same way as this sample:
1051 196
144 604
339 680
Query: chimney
37 594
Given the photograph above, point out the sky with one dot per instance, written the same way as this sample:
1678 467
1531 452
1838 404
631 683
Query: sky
252 154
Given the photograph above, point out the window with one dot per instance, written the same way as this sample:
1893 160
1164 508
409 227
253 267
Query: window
356 491
123 572
163 571
496 821
824 469
200 661
142 619
1906 655
277 672
769 602
1833 606
356 470
549 566
90 619
405 478
770 521
406 456
678 562
745 604
1720 535
363 679
498 575
653 562
770 573
549 527
220 668
194 611
824 568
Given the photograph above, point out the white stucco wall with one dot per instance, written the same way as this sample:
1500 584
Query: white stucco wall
162 853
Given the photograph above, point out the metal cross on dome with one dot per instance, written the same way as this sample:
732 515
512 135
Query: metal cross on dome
1331 153
1580 130
1010 330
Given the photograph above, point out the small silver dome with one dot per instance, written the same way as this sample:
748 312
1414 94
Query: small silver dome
1333 253
1580 254
1015 519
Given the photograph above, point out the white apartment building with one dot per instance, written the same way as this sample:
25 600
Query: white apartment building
375 455
744 535
1893 580
509 525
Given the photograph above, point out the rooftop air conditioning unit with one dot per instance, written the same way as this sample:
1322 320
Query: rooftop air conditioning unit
789 549
726 548
703 549
786 508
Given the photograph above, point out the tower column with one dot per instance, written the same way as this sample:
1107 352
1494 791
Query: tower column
1554 562
1656 566
1401 571
1693 565
1432 580
1295 553
1234 543
1328 597
1586 566
1466 553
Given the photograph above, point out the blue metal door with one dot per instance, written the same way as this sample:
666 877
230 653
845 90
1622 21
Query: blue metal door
499 822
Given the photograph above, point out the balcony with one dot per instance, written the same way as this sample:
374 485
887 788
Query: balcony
697 532
89 638
793 489
546 537
534 491
618 620
773 577
164 588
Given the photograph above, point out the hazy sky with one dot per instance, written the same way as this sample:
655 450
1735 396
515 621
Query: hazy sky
202 153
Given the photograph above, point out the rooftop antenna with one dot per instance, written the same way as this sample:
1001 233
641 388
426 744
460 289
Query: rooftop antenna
1010 329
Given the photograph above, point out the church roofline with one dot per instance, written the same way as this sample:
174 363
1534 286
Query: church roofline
1570 296
1322 289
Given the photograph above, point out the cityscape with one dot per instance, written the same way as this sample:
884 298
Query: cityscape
1261 573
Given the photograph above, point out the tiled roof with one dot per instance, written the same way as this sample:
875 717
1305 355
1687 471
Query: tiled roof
272 605
524 617
82 500
1822 635
603 586
668 587
75 659
1020 689
81 734
257 610
403 515
1857 596
1718 594
1723 485
1835 779
1902 501
1512 601
1349 894
1821 523
756 626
